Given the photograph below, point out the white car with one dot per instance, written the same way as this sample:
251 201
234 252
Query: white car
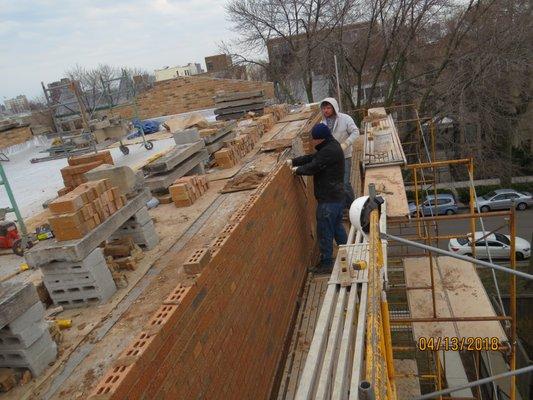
497 244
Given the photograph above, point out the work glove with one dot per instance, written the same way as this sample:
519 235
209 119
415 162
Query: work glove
293 169
289 163
344 146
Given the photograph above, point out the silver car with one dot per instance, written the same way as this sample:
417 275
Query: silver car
503 199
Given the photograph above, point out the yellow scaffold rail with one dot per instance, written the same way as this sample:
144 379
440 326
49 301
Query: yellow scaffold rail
379 369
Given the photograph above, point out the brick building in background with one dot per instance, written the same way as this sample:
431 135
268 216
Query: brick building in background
175 72
221 66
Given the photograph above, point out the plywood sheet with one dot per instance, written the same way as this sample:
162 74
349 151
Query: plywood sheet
389 184
458 293
406 387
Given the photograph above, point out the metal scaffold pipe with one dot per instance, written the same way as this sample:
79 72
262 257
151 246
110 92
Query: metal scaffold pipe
458 256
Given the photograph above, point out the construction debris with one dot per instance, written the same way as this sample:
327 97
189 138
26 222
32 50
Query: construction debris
235 105
194 120
245 181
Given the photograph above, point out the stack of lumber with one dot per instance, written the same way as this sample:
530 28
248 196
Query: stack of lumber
187 189
73 174
235 105
84 208
236 149
267 121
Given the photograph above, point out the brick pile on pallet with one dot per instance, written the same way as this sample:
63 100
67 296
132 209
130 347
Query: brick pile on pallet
187 189
84 208
73 174
236 149
24 338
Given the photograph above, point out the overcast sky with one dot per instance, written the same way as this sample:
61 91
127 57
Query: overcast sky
40 39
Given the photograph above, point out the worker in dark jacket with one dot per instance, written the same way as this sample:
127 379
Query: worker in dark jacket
327 168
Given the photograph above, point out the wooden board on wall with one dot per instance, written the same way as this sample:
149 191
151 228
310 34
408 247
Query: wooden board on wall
389 184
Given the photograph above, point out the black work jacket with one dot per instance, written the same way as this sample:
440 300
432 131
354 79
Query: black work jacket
327 168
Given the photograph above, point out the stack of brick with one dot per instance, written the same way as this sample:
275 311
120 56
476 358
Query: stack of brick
187 189
78 284
73 174
81 210
236 149
267 121
24 338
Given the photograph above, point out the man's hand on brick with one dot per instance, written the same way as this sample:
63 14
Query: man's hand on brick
289 163
344 146
293 169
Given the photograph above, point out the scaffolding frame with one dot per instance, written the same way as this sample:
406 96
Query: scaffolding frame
427 231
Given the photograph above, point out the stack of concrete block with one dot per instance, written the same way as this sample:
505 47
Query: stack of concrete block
186 190
73 174
78 284
140 228
235 105
78 212
24 338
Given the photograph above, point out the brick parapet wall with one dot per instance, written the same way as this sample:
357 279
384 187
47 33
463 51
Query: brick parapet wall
224 336
184 94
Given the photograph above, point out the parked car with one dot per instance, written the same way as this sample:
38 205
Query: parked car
445 205
498 244
503 199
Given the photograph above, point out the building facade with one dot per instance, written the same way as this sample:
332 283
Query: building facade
17 104
175 72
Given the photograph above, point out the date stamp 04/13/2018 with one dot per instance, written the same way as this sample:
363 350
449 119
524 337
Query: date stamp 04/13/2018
458 343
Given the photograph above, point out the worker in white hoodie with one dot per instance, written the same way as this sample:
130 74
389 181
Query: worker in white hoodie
345 131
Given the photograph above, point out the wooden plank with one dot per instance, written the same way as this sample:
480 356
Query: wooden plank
389 184
334 336
305 334
291 358
458 292
175 156
406 387
304 115
318 345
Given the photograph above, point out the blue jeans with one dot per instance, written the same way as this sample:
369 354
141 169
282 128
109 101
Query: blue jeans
329 226
348 190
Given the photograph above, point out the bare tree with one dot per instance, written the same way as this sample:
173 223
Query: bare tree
300 27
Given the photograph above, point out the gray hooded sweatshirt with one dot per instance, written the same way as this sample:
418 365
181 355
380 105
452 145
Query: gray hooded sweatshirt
344 128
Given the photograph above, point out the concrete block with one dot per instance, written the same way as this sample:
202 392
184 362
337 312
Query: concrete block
36 358
15 299
143 235
30 317
81 296
161 182
98 273
187 136
141 217
23 339
179 154
68 267
121 176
